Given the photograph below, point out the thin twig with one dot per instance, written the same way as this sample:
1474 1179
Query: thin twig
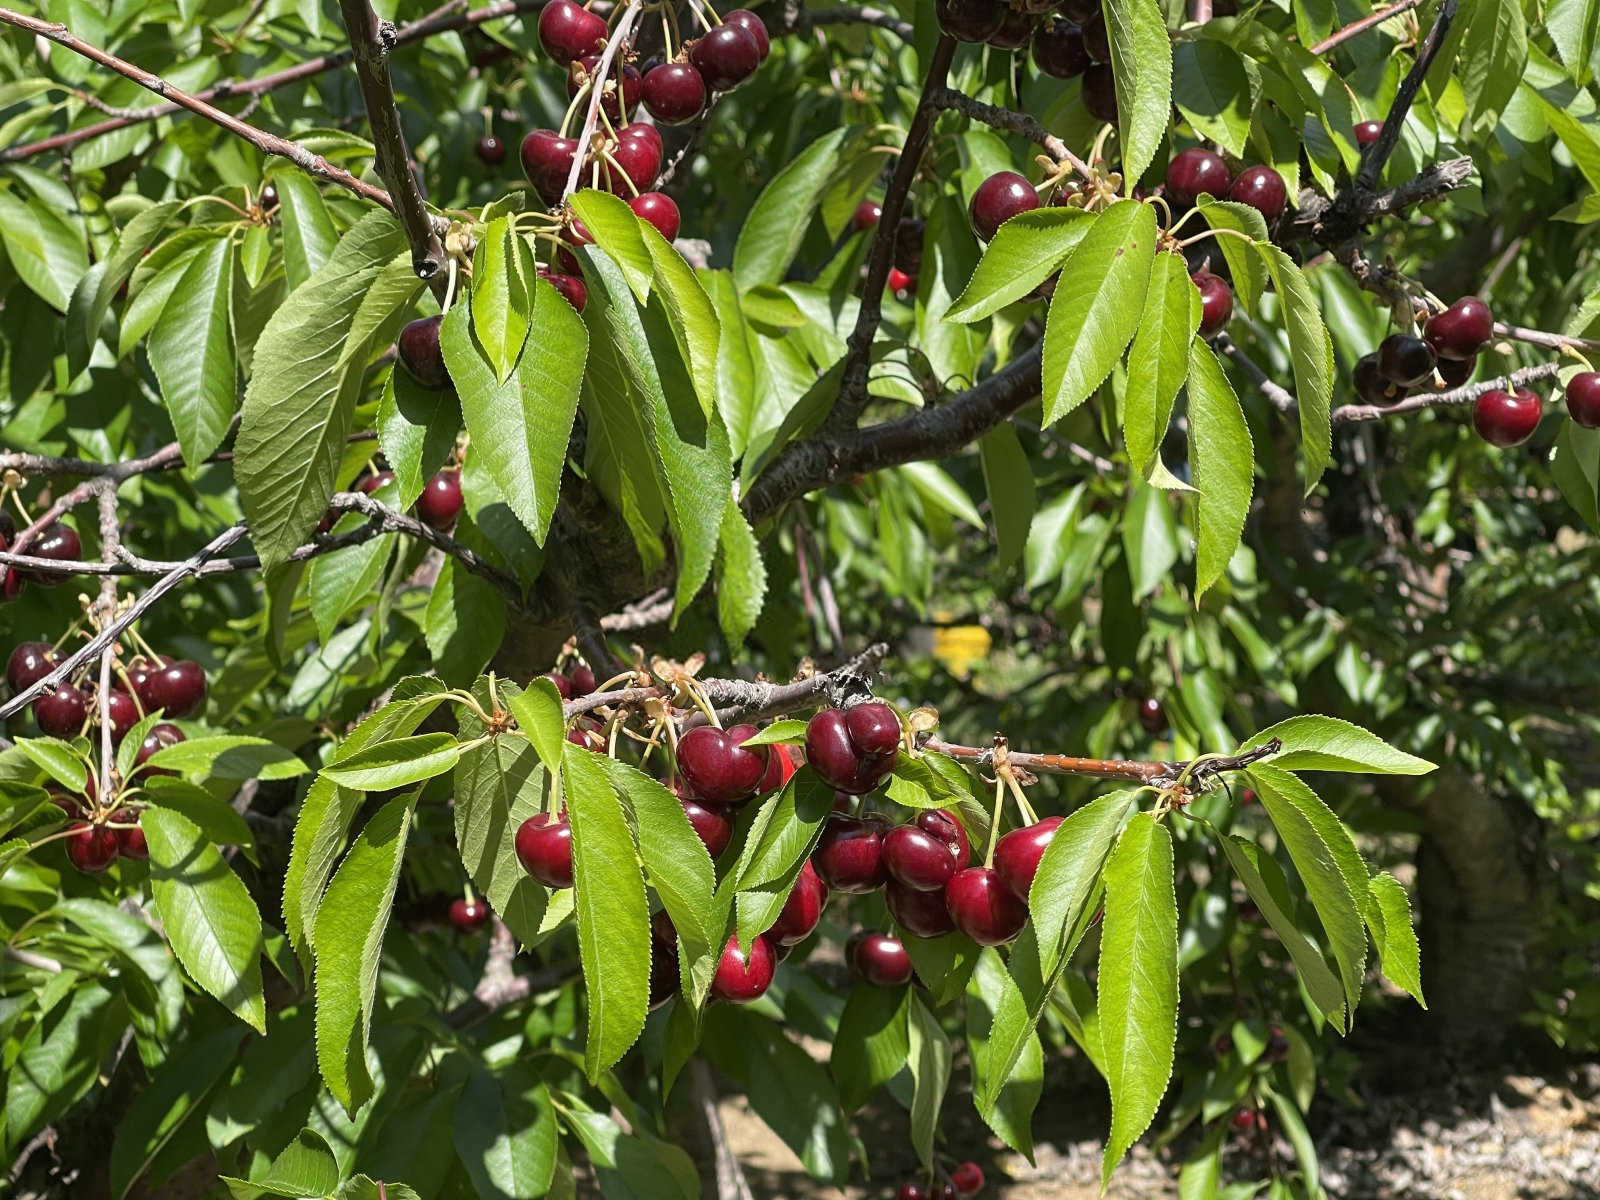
1347 414
1278 396
602 71
1340 36
1201 772
106 609
1011 121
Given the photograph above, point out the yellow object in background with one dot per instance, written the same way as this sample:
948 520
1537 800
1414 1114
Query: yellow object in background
960 647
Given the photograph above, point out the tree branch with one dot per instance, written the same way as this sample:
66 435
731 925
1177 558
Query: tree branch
1011 121
1340 36
1328 222
591 116
1202 771
1347 414
1378 153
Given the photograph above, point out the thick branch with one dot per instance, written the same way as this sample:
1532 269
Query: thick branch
1329 221
1378 153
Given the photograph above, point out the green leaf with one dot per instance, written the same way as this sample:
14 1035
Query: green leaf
872 1044
1141 64
619 232
741 576
346 579
1311 353
520 428
537 709
45 249
1248 272
1215 89
90 305
1005 1101
502 295
778 220
1494 55
465 622
1394 935
306 1167
1576 469
505 1135
1149 538
417 429
691 315
229 756
613 915
1222 459
929 1057
1008 477
215 817
209 917
1158 363
1317 743
348 941
57 759
1026 251
788 732
1138 994
1069 873
384 766
497 787
794 822
309 236
1097 305
1574 26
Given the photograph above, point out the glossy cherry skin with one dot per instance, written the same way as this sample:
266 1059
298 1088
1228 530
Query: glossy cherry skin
1461 330
61 711
123 714
1456 371
918 860
1242 1119
638 155
674 93
1216 304
1194 171
1405 360
573 290
665 972
582 680
624 83
29 663
10 584
420 354
849 855
1371 385
177 688
1368 132
881 960
1506 418
1017 855
726 57
741 978
440 503
1016 27
1583 403
710 823
567 31
1058 50
921 914
802 910
983 907
369 485
1262 189
468 915
1152 716
967 1179
544 848
91 848
56 541
867 215
853 749
588 735
158 738
781 767
491 150
900 284
547 161
658 209
563 684
970 20
1100 92
716 767
910 1191
753 25
1096 40
999 198
947 829
130 842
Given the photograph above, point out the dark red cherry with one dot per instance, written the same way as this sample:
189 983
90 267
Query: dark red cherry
368 485
970 20
638 156
780 769
130 842
547 161
658 209
582 680
1583 403
176 688
726 57
741 977
1100 92
419 352
999 198
921 914
1368 132
665 972
1262 189
1194 171
917 859
710 823
908 244
1016 27
1096 40
674 93
853 749
544 848
568 31
122 713
440 503
716 767
1017 855
61 711
983 907
1455 371
563 684
753 25
1216 304
32 661
573 290
1371 385
1058 50
867 215
587 735
881 960
802 910
491 150
967 1179
1461 330
947 829
468 915
59 543
1152 716
1405 360
10 584
849 855
910 1191
157 739
900 284
583 72
91 848
1506 418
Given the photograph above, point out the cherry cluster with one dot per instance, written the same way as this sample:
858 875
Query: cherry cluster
966 1179
440 504
175 687
1068 38
56 541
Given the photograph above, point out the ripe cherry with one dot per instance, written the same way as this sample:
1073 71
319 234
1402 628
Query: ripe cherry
131 841
587 735
582 680
419 352
1016 27
1368 132
947 829
468 915
1277 1045
658 209
674 93
970 20
908 245
491 150
1456 371
568 31
1262 189
32 661
547 161
158 738
1461 330
917 859
10 584
1100 92
710 823
1371 386
921 914
753 25
999 198
802 910
1058 50
910 1190
1506 419
1152 716
624 81
122 713
1017 855
716 767
1242 1119
91 848
780 769
1405 360
573 290
967 1179
867 215
900 284
61 711
563 684
1194 171
726 57
176 687
983 907
57 542
665 972
1583 403
268 200
879 959
1096 40
440 503
1216 304
741 977
369 485
544 848
637 155
849 854
853 749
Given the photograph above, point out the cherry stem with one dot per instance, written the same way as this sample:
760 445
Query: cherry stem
1200 237
994 819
